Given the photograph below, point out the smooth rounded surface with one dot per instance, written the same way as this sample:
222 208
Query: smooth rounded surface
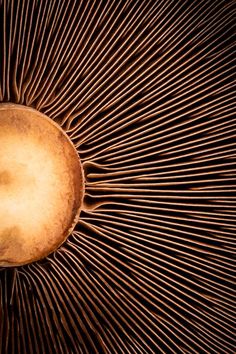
41 185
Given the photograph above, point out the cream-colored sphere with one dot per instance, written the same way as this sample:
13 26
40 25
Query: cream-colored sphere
41 185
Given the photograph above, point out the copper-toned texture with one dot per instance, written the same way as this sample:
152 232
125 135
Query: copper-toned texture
145 90
41 185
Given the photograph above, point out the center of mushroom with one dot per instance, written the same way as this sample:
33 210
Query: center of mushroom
41 185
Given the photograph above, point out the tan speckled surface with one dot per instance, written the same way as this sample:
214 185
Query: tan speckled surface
41 185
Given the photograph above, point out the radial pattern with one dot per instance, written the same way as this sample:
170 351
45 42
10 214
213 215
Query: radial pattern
146 92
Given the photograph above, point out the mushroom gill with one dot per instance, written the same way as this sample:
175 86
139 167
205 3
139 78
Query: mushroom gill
145 91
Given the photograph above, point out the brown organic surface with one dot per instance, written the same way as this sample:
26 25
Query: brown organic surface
145 90
41 185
